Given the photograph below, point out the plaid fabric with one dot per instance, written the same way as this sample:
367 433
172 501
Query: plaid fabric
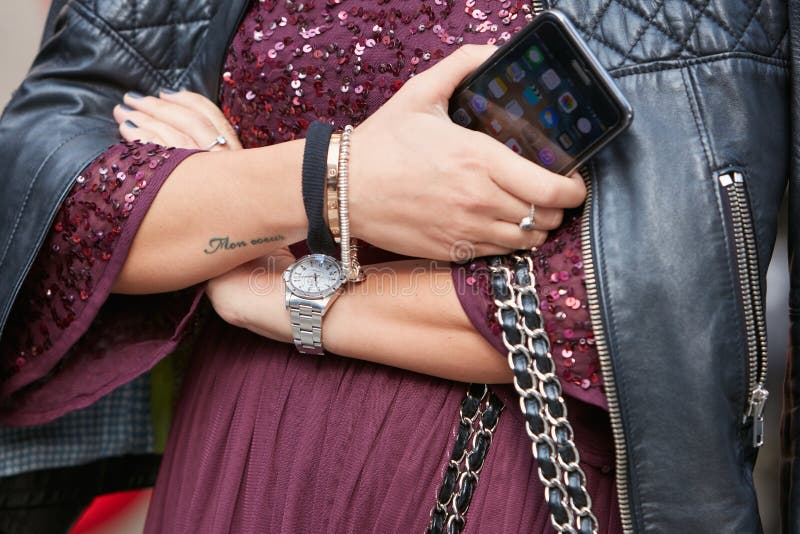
119 423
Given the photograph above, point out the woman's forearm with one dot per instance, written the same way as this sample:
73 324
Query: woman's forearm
404 314
217 210
407 314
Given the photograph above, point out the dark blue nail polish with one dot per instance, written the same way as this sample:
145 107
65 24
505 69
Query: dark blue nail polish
134 94
168 91
125 107
130 124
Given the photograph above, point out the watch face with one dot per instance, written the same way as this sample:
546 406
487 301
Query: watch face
315 276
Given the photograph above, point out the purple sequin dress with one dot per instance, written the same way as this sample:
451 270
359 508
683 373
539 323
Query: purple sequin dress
265 439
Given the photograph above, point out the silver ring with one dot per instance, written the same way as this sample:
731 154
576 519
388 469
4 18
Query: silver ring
220 140
528 222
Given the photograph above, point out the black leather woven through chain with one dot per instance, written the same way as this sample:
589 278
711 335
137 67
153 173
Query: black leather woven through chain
478 416
542 404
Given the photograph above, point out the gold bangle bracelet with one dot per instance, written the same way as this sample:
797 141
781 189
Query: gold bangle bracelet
331 214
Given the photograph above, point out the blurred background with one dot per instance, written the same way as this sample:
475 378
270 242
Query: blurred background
21 24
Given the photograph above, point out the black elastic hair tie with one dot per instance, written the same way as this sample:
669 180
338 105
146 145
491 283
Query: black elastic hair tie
318 137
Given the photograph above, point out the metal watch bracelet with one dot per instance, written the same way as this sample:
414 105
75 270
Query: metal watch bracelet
306 320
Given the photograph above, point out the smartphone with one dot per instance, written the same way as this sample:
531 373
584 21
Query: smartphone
544 95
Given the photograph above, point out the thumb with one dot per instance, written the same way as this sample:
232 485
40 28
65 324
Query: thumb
441 79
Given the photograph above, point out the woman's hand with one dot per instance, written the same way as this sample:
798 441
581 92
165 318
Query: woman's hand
181 119
424 186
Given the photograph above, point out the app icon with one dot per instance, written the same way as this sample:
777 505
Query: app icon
478 103
514 72
550 79
497 88
567 102
535 55
514 109
549 118
565 141
462 117
584 125
546 157
531 136
495 126
531 94
513 145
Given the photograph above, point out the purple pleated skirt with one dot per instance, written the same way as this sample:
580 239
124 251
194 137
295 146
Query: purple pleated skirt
266 440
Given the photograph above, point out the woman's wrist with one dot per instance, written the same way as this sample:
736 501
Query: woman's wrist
293 223
253 297
356 183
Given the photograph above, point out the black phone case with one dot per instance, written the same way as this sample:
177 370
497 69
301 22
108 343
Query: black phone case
590 61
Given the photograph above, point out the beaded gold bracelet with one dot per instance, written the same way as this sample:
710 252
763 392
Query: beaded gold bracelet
349 252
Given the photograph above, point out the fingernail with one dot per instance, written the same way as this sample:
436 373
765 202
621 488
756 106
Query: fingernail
168 91
130 124
134 94
125 107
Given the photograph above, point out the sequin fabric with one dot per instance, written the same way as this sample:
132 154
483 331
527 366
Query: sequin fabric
82 239
558 268
295 61
292 62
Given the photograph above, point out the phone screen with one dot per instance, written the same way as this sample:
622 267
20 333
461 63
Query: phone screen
544 96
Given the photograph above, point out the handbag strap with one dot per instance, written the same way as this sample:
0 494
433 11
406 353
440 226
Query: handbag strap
543 408
478 416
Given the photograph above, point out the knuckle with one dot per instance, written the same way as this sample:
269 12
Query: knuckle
189 96
558 218
538 237
546 195
462 52
147 102
581 196
473 152
488 250
207 124
552 219
201 100
410 84
474 202
186 142
469 50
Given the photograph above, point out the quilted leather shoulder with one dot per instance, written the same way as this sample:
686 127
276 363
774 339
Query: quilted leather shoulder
629 32
165 33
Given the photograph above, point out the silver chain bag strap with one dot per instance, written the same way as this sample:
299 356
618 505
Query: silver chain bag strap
558 461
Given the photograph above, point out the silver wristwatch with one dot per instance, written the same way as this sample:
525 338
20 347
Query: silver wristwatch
312 284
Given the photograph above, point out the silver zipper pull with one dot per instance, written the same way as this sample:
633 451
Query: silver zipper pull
755 410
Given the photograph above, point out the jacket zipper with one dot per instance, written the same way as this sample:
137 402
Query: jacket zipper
620 448
737 207
609 383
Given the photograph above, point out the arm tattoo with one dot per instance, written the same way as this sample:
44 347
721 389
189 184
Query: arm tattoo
225 243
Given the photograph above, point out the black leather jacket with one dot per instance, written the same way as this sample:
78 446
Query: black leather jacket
680 223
